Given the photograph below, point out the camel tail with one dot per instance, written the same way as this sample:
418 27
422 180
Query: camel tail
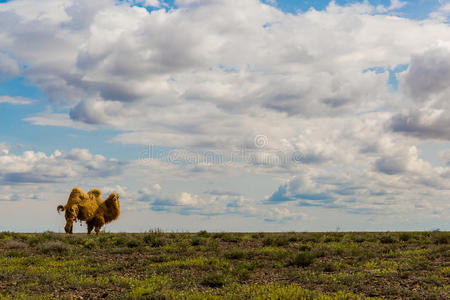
60 208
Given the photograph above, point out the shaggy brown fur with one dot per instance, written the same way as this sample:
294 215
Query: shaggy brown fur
107 212
80 206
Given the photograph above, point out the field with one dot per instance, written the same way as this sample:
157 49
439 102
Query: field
203 265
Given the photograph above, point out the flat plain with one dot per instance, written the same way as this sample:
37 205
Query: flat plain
203 265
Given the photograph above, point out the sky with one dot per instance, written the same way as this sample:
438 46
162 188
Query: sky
226 115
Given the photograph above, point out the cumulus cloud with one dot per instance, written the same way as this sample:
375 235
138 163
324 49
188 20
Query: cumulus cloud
445 156
57 119
37 167
396 162
183 202
127 72
95 112
424 85
16 100
367 193
426 123
183 77
303 190
4 148
221 193
395 4
121 190
8 194
8 67
154 3
428 74
443 13
211 203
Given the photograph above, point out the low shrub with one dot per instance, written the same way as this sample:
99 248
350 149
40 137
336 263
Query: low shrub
218 235
327 239
329 267
294 238
203 233
258 235
159 258
279 241
387 239
302 259
312 237
440 238
213 245
242 271
404 236
54 247
231 238
359 239
121 250
154 240
268 241
120 241
282 241
13 244
50 235
198 242
133 244
13 254
89 244
214 280
235 254
304 247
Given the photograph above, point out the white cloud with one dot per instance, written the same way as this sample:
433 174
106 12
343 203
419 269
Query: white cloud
37 167
126 73
210 204
8 67
395 162
309 82
423 123
16 100
8 194
153 3
445 156
425 86
4 148
57 119
442 14
428 74
121 190
395 4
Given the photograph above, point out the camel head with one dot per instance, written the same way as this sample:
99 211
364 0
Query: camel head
114 198
112 211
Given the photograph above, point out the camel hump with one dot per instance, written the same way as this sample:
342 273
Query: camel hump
76 191
95 192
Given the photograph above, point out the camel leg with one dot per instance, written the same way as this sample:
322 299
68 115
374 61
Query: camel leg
71 216
90 227
68 227
100 221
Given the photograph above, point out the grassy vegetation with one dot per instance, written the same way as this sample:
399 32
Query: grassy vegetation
157 265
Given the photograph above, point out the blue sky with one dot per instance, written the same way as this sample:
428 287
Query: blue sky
416 9
14 130
335 112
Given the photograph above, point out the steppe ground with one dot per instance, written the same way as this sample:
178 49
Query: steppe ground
203 265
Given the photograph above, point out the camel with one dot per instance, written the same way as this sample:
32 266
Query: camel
107 212
80 206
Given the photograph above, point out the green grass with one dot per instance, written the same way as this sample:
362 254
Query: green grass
203 265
